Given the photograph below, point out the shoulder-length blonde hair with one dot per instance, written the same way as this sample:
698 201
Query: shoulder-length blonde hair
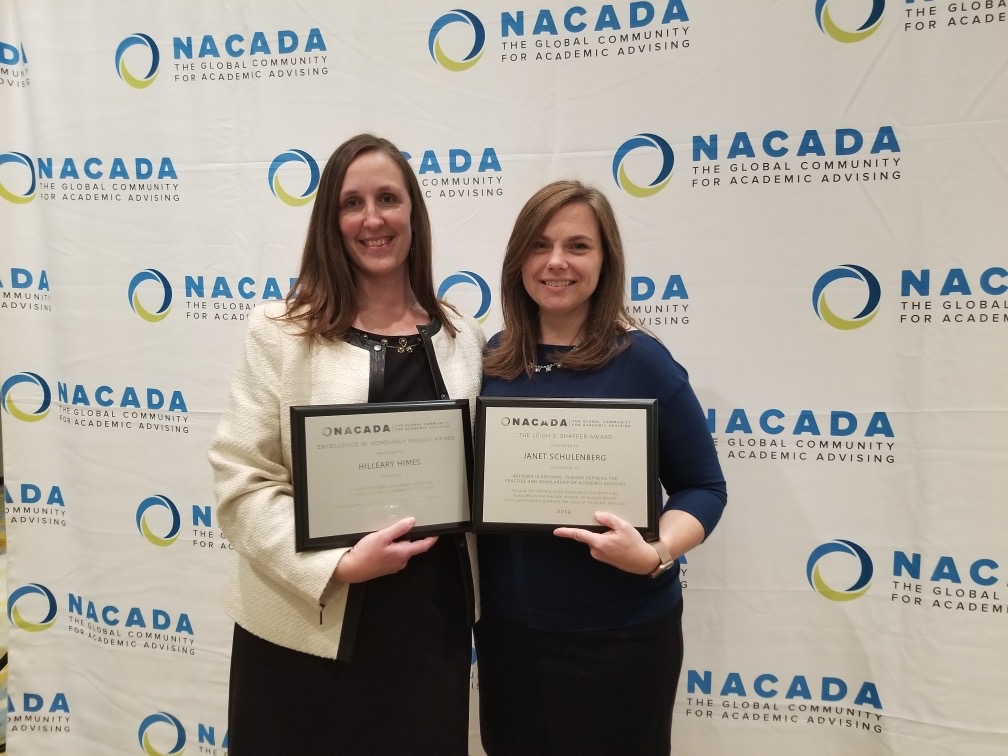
608 319
324 299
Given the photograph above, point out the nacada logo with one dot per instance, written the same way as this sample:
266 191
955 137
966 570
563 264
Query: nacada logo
110 616
661 168
162 734
146 48
832 29
468 279
457 39
778 143
606 18
460 18
865 313
160 285
32 607
793 687
24 407
80 395
238 45
963 295
775 421
246 56
842 570
17 183
310 181
35 712
161 505
859 586
460 172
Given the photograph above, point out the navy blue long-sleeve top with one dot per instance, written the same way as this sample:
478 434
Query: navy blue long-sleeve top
552 583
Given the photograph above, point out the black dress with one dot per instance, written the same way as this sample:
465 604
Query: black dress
405 688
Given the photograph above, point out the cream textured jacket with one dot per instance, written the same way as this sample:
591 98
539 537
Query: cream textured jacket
274 591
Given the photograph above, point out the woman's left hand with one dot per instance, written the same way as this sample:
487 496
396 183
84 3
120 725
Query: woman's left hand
622 545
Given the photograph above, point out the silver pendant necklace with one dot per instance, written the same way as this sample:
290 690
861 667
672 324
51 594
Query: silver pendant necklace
544 368
549 366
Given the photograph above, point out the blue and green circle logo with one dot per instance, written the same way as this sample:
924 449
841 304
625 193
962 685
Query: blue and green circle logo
138 40
19 197
829 27
17 600
457 16
16 411
294 156
157 720
860 585
159 502
468 278
164 294
873 296
643 142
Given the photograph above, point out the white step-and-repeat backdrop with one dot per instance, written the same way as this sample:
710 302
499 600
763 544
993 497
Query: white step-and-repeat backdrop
813 198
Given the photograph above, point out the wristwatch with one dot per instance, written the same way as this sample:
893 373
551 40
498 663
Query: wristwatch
664 555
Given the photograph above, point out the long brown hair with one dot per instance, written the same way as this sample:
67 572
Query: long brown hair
608 319
324 299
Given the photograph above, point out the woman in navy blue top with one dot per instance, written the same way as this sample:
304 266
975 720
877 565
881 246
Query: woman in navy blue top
580 643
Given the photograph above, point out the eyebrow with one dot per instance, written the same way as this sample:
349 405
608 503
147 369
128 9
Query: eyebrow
576 237
388 188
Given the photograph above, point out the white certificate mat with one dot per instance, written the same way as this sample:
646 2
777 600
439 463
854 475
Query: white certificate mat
543 463
360 467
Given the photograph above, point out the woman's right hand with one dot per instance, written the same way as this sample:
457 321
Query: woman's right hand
380 553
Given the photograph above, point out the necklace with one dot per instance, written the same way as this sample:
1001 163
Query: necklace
402 346
549 366
400 343
544 368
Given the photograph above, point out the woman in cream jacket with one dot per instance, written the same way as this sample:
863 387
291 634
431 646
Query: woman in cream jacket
346 650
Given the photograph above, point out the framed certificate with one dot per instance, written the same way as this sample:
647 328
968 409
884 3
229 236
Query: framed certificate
360 467
543 463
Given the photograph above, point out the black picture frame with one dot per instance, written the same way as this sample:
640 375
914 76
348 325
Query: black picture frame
558 423
376 441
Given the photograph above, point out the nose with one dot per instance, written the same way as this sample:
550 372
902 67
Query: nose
557 258
372 216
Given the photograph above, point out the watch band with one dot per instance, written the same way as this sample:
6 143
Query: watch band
664 555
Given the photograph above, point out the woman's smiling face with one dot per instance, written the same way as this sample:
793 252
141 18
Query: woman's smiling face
374 216
562 269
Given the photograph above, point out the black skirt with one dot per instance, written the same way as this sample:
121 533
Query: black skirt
578 693
405 690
